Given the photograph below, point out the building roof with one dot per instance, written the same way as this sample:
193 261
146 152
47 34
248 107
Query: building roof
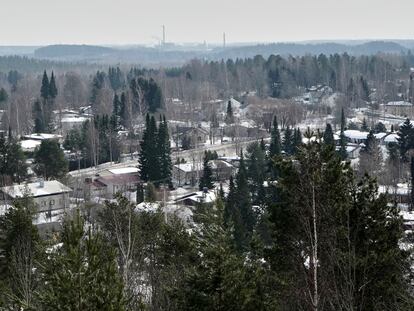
355 134
400 103
391 138
121 179
189 167
43 136
74 119
35 189
29 144
124 170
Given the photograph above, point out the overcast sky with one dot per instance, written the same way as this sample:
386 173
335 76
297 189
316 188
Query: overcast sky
37 22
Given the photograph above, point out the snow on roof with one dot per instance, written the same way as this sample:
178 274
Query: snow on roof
401 189
400 103
351 148
200 197
124 170
380 135
147 207
42 136
4 208
355 134
391 138
29 144
74 119
189 167
35 190
407 216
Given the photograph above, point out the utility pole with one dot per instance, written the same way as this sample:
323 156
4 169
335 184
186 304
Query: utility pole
224 40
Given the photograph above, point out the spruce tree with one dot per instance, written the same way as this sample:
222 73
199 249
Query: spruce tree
364 126
342 139
256 170
39 126
370 157
328 137
297 139
288 147
164 152
380 265
50 161
45 88
275 141
405 138
53 92
243 203
229 113
149 155
82 274
144 153
206 180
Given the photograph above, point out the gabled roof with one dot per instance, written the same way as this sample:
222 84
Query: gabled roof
35 189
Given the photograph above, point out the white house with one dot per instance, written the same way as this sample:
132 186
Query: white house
48 195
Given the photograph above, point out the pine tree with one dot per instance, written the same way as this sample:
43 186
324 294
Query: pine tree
288 141
82 274
206 180
275 141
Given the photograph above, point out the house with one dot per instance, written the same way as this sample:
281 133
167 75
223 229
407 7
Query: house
399 108
198 197
109 182
48 195
191 137
190 173
42 136
399 193
187 173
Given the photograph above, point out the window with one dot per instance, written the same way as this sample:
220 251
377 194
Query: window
44 203
52 202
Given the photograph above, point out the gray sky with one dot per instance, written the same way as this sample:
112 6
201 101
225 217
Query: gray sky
31 22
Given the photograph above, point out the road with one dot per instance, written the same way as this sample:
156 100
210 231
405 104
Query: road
225 149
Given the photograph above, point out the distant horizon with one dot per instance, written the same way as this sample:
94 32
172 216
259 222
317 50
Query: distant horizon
142 44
